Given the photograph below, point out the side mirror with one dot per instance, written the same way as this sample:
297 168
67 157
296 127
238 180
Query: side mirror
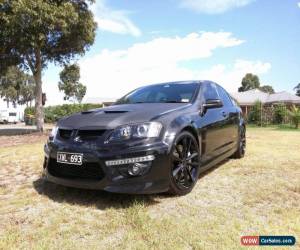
212 103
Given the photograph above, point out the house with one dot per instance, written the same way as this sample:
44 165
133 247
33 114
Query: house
248 98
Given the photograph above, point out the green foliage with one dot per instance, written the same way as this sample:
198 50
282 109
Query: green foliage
297 89
54 113
26 93
29 111
256 113
294 113
267 89
80 93
250 81
280 111
36 32
16 86
58 29
69 83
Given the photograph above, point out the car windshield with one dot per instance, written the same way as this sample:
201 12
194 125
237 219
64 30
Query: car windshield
163 93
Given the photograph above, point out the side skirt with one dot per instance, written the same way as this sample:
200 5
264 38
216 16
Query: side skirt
219 159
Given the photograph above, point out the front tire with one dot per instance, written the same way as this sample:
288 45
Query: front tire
185 164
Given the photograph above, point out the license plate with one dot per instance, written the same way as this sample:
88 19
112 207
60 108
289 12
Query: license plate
69 158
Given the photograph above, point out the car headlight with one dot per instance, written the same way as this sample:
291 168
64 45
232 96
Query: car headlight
53 133
142 130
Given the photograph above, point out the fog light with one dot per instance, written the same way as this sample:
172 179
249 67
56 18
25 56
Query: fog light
137 169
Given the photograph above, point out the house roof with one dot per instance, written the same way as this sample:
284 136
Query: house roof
283 97
251 96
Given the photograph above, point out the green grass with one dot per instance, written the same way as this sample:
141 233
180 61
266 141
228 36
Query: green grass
284 127
258 195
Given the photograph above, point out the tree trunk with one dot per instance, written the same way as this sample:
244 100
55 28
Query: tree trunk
39 112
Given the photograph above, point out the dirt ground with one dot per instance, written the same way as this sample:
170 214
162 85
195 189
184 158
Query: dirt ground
10 141
257 195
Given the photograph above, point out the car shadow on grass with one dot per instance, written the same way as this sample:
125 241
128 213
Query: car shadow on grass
96 198
212 169
101 199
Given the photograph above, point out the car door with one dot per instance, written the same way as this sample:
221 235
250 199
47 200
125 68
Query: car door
211 121
230 121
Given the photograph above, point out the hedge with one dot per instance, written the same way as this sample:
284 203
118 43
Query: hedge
54 113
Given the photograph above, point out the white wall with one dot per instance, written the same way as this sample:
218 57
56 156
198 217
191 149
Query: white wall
2 104
20 108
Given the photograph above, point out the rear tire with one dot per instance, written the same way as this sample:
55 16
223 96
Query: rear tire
240 153
185 164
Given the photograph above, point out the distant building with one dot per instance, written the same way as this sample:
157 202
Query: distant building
19 110
248 98
100 100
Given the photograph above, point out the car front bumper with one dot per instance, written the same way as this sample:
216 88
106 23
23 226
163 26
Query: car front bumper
113 178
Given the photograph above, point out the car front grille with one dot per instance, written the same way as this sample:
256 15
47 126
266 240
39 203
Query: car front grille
88 170
89 134
65 133
83 135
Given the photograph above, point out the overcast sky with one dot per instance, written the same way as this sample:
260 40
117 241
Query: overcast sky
142 42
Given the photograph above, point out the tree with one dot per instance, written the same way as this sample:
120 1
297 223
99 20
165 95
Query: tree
9 94
294 113
81 91
9 85
26 92
267 89
297 88
70 85
250 81
36 32
16 86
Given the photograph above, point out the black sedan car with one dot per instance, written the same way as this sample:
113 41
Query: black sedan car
158 138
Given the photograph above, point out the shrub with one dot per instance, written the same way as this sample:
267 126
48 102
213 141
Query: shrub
255 113
294 113
279 113
29 117
54 113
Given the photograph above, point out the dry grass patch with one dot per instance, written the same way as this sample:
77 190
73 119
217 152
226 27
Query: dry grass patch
258 195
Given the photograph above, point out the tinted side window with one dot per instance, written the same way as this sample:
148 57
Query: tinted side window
210 92
224 97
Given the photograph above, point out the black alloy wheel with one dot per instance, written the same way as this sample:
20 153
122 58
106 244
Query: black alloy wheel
185 164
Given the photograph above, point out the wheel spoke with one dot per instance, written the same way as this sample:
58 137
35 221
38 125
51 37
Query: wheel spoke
176 158
176 170
179 151
186 179
192 156
193 164
190 174
184 147
188 148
